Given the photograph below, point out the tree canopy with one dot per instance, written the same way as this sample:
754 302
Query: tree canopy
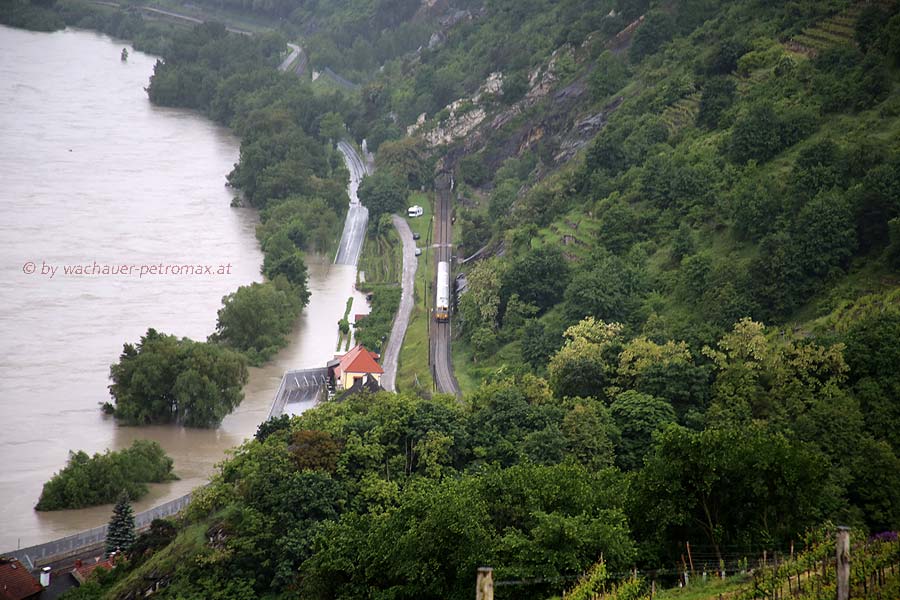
164 379
101 478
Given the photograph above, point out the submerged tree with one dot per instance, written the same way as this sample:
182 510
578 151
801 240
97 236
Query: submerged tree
120 532
163 379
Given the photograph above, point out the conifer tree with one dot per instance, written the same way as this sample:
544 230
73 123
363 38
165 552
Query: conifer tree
120 532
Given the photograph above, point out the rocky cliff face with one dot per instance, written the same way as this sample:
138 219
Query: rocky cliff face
555 114
464 115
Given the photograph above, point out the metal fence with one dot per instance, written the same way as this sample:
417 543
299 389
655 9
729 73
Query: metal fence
341 81
35 556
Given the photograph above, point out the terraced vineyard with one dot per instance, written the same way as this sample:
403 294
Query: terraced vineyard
575 234
682 113
836 30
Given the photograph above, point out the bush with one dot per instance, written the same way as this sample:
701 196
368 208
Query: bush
373 330
718 96
608 76
28 15
658 28
848 80
90 481
257 318
760 133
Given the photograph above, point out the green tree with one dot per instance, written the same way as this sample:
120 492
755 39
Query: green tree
405 158
657 29
609 290
683 242
120 531
283 258
873 351
555 520
440 528
869 25
538 344
517 313
776 277
505 413
99 479
756 134
382 193
271 426
893 249
825 235
331 127
160 535
761 378
609 75
666 371
705 485
166 380
590 433
580 368
539 277
889 40
480 306
717 97
256 319
638 417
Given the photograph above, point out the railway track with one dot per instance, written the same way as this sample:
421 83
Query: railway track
442 363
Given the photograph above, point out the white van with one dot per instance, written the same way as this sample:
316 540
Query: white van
415 211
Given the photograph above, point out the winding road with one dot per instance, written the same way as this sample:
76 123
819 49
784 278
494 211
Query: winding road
391 354
358 215
441 333
295 52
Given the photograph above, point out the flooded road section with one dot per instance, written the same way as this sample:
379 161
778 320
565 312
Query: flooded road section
92 176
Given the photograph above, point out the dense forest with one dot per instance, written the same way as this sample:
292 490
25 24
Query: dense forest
682 320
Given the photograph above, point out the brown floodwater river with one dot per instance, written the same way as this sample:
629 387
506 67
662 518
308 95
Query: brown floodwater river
103 199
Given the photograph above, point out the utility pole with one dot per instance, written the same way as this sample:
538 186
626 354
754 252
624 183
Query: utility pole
484 584
842 554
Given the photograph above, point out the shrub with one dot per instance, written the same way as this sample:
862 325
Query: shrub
99 479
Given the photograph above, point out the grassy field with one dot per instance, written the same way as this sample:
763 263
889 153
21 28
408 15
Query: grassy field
712 588
381 258
380 263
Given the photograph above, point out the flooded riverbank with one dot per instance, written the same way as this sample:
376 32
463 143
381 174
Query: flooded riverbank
91 172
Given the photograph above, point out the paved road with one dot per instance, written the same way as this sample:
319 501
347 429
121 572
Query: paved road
295 52
392 349
444 379
358 215
189 19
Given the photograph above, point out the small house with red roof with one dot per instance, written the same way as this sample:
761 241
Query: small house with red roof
82 571
356 367
16 583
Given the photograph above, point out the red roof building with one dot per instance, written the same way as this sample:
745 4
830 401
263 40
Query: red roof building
358 363
16 583
82 572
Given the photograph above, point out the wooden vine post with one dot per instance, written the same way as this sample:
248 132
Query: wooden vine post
842 556
484 585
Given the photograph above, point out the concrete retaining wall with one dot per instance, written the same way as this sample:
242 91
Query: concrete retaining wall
36 556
